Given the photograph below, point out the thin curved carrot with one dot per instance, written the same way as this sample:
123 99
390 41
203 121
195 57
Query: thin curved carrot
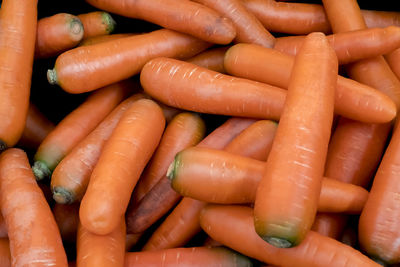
3 229
71 176
183 16
187 86
101 250
248 28
352 99
97 23
121 162
329 224
212 59
188 256
67 219
5 257
56 34
87 68
37 127
239 234
185 130
296 162
76 126
104 38
17 35
37 240
350 46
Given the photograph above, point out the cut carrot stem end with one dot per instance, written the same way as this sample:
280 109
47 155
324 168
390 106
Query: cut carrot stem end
76 28
278 242
62 195
3 146
40 170
52 76
108 21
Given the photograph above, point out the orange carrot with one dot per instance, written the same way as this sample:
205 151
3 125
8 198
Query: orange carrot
185 130
104 38
57 34
5 257
296 163
101 250
233 226
121 162
329 224
193 256
352 99
212 59
76 126
87 68
37 240
71 176
248 28
350 46
187 86
37 127
67 218
183 16
97 23
17 35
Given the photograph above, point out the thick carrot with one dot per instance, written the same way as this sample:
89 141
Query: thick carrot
352 99
71 176
5 257
187 86
185 130
233 226
101 250
329 224
296 162
37 127
76 126
189 256
350 46
201 173
34 237
183 16
17 35
97 23
212 59
124 157
87 68
248 28
57 34
67 218
104 38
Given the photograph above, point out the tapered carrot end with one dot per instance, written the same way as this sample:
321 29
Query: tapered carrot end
40 170
3 146
108 21
62 195
52 76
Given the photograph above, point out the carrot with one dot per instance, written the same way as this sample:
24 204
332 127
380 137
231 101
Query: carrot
97 23
378 223
190 256
212 59
17 35
71 176
248 28
37 240
200 173
87 68
3 229
5 257
352 99
350 46
296 162
101 250
239 234
392 59
169 112
187 86
302 18
183 16
104 38
57 34
121 162
67 219
329 224
76 126
37 127
185 130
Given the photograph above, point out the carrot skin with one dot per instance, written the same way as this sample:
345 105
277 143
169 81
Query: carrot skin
87 68
97 23
212 59
104 38
5 257
328 224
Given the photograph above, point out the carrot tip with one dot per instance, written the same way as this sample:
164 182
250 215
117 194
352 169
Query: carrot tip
3 146
52 76
40 170
278 242
62 195
109 22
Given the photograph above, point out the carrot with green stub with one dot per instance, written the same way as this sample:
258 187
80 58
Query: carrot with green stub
57 33
87 68
212 59
97 23
76 126
352 99
17 35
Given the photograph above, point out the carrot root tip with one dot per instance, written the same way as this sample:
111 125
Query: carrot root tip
52 76
3 146
278 242
109 22
76 28
62 195
40 170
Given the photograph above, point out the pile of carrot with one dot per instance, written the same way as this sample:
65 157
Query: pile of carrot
199 133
